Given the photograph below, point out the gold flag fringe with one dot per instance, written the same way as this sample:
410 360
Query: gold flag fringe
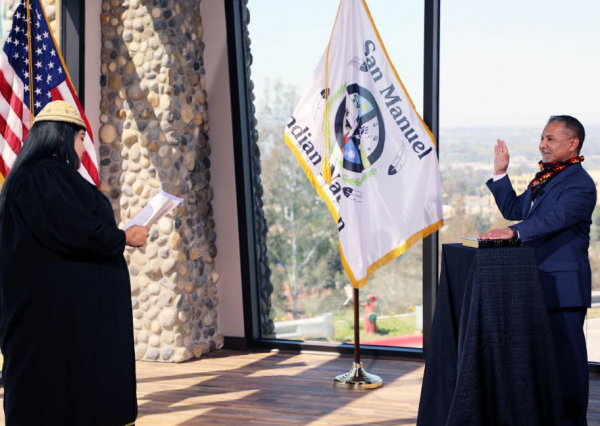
334 212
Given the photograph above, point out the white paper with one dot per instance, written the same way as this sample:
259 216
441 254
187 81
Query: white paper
157 208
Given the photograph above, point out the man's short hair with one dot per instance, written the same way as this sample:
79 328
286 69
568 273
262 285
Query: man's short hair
572 125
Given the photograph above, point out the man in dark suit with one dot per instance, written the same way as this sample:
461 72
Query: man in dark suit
556 213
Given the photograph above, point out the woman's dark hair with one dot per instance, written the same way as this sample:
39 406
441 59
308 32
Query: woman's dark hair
45 139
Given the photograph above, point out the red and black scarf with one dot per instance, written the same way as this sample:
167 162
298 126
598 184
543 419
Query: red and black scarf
547 172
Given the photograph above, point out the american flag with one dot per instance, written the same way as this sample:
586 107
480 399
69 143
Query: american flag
33 73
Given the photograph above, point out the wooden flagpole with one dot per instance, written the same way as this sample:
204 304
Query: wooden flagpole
356 329
30 58
357 378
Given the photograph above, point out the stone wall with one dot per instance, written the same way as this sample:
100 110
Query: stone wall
154 136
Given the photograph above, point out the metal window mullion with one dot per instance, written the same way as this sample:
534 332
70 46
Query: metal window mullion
240 108
431 94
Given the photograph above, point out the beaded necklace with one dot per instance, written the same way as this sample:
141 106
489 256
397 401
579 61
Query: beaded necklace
547 172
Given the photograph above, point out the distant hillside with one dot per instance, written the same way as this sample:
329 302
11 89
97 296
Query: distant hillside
475 145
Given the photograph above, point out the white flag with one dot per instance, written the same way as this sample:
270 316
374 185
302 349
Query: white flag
365 149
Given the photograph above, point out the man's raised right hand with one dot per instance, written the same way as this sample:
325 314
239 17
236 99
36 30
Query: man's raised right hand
501 157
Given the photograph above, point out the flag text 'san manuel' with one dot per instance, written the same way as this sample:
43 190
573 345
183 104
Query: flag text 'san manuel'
365 149
33 73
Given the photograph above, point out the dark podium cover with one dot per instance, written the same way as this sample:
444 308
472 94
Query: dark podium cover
491 358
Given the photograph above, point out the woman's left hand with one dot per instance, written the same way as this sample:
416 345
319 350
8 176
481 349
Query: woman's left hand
136 236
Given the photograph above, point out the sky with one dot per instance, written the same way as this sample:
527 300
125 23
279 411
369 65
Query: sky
510 63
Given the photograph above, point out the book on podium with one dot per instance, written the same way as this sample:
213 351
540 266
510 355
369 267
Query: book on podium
476 243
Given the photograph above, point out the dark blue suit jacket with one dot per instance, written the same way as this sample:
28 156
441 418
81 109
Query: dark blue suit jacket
558 226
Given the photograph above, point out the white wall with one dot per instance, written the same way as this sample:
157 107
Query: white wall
93 47
231 315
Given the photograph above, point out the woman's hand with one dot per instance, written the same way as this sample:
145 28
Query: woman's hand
136 236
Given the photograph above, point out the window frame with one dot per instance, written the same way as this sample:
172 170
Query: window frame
72 43
248 187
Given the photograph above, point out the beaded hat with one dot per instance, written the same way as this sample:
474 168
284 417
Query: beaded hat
60 111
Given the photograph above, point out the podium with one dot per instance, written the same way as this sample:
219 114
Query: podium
491 358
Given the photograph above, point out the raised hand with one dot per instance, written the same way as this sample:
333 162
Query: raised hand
136 236
501 157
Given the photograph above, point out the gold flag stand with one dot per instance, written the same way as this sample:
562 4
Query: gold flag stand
357 378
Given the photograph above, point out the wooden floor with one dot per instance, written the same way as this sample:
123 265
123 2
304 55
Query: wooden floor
271 388
232 388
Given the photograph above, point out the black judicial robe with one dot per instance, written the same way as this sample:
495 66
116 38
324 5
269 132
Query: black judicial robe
66 327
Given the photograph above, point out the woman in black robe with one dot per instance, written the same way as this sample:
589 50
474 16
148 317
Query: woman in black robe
66 328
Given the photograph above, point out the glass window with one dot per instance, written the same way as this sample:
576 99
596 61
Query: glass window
312 298
505 69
